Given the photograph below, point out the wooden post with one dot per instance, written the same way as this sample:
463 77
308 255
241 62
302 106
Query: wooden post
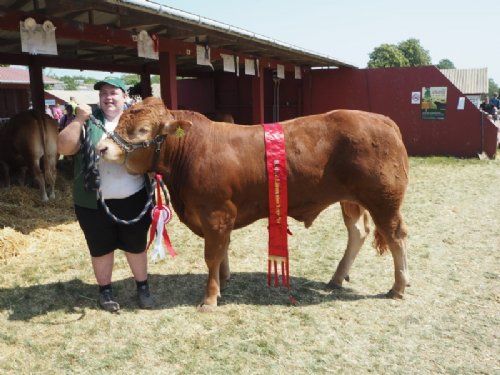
145 85
36 85
306 92
258 97
168 79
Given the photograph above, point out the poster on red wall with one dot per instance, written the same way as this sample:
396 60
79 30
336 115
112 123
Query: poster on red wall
433 104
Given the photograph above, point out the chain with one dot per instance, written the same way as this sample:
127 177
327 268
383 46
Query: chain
92 180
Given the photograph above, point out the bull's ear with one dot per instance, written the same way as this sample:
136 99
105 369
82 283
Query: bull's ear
175 127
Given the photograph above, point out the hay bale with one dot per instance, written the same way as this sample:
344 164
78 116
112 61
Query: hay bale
11 241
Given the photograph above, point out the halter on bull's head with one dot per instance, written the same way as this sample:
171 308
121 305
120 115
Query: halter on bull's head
140 135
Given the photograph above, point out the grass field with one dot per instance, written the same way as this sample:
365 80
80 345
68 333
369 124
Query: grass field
447 323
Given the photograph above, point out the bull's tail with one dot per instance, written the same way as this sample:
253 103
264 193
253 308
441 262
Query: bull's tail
42 126
379 242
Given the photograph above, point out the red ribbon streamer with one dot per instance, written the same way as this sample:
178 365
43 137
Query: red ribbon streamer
156 212
278 204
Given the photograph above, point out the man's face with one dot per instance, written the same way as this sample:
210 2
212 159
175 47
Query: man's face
111 99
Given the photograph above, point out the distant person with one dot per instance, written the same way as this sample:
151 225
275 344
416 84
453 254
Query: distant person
495 101
488 108
48 111
73 103
67 117
57 112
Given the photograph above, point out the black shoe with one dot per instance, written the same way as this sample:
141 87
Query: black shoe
107 302
144 297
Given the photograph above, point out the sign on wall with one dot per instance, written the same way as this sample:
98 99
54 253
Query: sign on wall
415 97
433 104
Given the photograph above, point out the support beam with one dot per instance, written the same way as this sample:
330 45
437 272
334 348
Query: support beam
258 97
307 92
168 79
146 85
36 85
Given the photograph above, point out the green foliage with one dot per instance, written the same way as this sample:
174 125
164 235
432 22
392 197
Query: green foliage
406 53
387 55
414 52
72 82
130 79
445 64
492 87
155 78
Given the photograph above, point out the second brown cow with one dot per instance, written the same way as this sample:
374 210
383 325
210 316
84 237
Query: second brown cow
216 176
29 141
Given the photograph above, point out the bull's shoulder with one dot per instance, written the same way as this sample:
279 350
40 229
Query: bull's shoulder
190 116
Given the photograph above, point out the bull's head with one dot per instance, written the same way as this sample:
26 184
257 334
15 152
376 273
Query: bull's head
141 131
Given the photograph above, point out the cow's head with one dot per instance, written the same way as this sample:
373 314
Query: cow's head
139 127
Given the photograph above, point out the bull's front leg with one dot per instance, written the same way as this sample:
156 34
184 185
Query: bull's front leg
217 229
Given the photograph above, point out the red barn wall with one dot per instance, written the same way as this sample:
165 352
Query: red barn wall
13 99
388 91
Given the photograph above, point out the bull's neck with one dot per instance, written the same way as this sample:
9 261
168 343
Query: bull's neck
174 165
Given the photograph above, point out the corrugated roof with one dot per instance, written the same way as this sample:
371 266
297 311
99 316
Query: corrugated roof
81 96
469 81
172 13
17 75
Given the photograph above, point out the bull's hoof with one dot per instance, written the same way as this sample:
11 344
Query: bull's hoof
204 308
394 295
347 278
224 283
334 286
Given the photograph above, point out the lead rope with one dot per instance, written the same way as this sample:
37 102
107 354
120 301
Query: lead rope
92 180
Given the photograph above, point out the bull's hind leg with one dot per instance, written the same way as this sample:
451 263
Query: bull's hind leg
6 173
50 173
40 180
356 220
391 233
224 272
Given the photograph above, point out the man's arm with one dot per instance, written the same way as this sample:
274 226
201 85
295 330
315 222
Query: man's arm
68 141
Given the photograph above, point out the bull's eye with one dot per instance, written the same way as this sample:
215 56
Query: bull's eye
142 131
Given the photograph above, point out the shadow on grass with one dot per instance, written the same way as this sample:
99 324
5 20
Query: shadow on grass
170 291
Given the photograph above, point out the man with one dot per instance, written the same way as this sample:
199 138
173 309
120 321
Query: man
124 194
495 101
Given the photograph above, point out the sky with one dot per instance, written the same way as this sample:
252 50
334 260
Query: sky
465 32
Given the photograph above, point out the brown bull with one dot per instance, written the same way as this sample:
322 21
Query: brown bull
216 176
28 139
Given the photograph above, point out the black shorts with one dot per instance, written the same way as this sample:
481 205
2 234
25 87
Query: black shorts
103 235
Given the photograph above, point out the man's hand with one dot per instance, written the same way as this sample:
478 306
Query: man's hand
83 112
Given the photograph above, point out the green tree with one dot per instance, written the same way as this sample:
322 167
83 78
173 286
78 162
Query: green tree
387 55
445 64
414 52
492 87
130 79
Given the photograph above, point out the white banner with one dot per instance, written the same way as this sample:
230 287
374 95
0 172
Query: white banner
38 39
147 47
203 55
249 67
280 71
228 63
298 73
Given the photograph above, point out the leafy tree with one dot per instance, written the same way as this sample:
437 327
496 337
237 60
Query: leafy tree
387 55
155 79
130 79
414 52
445 64
492 87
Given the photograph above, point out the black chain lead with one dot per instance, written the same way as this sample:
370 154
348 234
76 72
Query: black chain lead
92 180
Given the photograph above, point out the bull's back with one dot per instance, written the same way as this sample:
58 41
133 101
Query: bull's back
338 156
